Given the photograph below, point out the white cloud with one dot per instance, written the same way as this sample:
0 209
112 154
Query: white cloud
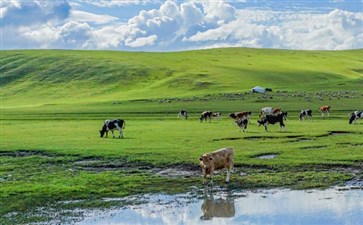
218 11
81 16
271 29
118 3
141 41
175 26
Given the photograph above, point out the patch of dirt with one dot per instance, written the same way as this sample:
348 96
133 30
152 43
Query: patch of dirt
26 153
177 172
340 132
302 139
350 144
98 165
266 156
313 147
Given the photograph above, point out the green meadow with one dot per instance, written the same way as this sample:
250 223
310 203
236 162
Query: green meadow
54 102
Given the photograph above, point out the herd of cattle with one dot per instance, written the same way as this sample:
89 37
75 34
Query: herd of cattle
223 158
268 115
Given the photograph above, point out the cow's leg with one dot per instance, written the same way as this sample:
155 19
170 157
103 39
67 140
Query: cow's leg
113 135
106 134
282 125
328 113
228 175
265 127
204 179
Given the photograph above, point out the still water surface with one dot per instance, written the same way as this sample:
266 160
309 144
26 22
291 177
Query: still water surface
265 207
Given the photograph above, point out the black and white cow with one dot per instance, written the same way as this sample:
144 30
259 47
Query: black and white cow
110 125
306 113
354 116
206 115
272 119
242 123
183 114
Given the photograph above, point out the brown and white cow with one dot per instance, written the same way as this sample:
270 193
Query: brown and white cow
325 110
183 114
205 115
219 159
240 115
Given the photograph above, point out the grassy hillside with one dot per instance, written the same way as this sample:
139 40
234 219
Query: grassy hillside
33 77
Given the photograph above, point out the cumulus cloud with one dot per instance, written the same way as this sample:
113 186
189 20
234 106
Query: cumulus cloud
142 41
118 3
82 16
175 25
270 29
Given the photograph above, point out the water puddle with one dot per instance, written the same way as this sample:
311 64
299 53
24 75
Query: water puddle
314 147
266 156
332 206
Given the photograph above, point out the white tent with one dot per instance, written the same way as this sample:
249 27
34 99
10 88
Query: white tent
258 89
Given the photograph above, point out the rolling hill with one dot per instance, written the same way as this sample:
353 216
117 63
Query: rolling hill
33 77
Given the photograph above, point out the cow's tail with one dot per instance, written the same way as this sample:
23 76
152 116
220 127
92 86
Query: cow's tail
124 125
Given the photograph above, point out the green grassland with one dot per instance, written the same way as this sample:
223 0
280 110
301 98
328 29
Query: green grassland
54 102
56 76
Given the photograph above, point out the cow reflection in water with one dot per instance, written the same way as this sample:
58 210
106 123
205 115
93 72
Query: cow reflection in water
220 208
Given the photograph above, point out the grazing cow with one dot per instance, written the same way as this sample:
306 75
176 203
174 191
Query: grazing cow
272 119
183 114
218 208
306 113
110 125
325 110
219 159
206 115
242 123
354 116
217 115
240 115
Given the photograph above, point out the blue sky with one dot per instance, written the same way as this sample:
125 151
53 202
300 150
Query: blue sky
153 25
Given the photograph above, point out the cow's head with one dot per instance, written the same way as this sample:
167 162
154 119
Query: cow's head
207 164
103 131
352 118
284 114
232 115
